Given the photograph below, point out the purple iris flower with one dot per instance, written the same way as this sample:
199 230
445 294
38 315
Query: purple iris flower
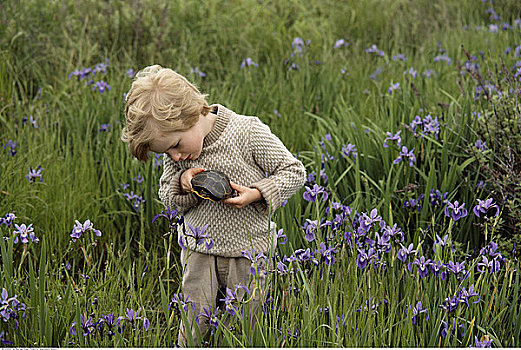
132 317
76 73
431 126
455 325
396 137
248 62
364 257
199 236
135 199
383 242
491 250
131 73
465 295
22 232
423 266
444 57
110 321
403 253
483 343
413 203
328 254
456 268
348 150
158 161
429 73
101 86
80 229
374 49
486 208
3 340
451 304
493 265
375 74
367 221
35 174
311 194
400 56
436 268
84 73
323 175
211 315
86 325
436 198
393 87
282 268
11 146
198 72
4 303
416 122
208 243
8 219
101 67
417 310
229 301
257 263
282 235
405 153
104 127
493 15
413 73
339 43
310 228
181 240
455 210
480 145
182 302
442 242
170 214
303 255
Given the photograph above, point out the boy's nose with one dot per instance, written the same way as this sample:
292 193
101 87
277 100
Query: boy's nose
175 156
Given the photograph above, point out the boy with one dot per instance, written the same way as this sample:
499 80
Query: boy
167 114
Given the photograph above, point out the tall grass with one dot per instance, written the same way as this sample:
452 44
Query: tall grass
328 102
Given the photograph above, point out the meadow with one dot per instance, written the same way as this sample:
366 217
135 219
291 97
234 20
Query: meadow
405 113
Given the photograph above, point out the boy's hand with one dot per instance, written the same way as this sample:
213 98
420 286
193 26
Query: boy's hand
245 196
186 178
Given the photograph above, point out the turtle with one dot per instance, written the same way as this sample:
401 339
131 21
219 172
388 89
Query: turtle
213 185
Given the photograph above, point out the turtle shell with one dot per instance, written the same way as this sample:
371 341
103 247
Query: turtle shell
212 184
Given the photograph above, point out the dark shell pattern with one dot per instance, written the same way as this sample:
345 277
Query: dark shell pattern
213 184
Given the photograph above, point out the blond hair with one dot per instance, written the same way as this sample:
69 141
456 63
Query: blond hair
163 98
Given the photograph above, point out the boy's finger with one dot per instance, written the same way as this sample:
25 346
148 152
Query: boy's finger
232 201
236 186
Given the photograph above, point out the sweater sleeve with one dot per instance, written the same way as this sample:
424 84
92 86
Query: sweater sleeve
170 187
285 174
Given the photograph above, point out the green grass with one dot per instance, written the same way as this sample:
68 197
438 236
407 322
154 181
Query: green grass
83 168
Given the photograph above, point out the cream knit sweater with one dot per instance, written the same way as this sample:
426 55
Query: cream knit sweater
245 149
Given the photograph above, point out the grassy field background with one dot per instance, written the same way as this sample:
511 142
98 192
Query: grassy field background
457 61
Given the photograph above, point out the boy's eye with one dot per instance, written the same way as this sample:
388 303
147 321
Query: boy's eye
176 145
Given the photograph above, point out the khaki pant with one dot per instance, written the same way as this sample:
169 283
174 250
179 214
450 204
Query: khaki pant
205 278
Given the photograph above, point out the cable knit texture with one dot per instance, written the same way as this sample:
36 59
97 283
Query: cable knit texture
245 149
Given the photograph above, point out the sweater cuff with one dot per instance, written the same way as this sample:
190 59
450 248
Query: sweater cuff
270 195
182 200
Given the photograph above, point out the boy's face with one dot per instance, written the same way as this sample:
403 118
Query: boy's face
180 145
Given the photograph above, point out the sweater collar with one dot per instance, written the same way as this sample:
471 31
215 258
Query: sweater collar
222 120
